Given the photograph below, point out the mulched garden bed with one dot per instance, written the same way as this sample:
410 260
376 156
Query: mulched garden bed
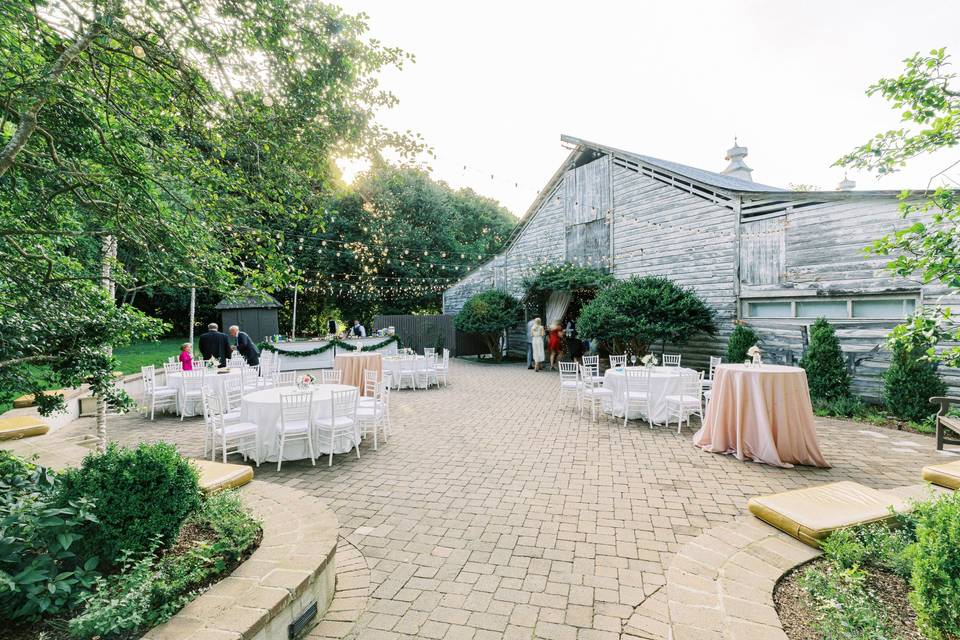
190 535
798 615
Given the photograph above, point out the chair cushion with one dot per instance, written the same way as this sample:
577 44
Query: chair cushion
28 400
216 476
16 427
813 513
342 421
241 428
570 384
946 475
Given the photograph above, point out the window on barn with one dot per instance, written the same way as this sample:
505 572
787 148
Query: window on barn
832 309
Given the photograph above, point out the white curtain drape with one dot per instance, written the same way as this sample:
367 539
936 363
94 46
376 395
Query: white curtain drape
557 305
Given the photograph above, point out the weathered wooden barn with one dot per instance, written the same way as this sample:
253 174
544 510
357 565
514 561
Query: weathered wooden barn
773 258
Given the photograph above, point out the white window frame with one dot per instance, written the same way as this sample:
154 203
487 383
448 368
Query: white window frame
746 302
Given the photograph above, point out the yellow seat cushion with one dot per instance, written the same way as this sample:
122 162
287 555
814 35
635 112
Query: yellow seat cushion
946 475
216 476
28 399
811 514
21 427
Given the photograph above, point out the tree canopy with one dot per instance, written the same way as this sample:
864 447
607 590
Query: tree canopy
166 143
637 313
565 277
928 99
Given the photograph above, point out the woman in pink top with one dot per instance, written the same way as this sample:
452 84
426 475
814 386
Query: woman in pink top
186 356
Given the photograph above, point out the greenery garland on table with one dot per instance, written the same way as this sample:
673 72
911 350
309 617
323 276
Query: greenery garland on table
269 346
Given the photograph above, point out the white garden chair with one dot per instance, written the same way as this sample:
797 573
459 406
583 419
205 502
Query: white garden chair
374 416
442 368
715 361
688 400
296 422
570 381
191 388
171 368
671 359
593 363
250 377
407 370
233 393
636 393
154 394
341 423
233 437
370 381
285 379
429 351
592 392
331 376
428 374
618 361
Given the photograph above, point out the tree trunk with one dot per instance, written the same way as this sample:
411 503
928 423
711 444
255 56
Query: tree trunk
28 117
493 344
193 308
109 255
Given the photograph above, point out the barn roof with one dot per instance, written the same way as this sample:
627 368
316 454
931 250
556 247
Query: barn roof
256 301
710 178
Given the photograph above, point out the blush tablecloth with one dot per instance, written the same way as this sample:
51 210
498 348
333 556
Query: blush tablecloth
761 413
352 366
263 409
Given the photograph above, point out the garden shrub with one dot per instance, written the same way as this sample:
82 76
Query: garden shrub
844 607
141 496
909 384
41 569
742 338
631 315
488 315
936 568
827 374
149 591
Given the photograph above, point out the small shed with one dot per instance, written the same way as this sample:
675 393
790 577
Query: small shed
256 315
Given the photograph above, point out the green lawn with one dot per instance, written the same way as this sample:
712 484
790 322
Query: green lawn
129 360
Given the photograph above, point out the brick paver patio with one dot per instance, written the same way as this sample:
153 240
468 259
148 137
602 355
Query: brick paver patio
494 513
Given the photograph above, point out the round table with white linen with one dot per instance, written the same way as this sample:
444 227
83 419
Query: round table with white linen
262 408
664 381
393 365
213 379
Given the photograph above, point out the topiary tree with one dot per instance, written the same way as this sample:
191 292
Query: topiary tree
488 315
827 373
909 384
742 338
636 313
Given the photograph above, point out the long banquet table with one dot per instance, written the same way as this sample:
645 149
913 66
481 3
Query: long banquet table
761 413
324 360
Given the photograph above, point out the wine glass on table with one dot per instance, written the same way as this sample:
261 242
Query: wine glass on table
633 359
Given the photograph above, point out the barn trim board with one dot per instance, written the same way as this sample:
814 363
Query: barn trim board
732 240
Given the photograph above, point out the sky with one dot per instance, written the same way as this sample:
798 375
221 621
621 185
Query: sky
496 83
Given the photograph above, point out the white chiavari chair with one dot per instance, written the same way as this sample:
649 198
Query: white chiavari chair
636 393
570 381
671 359
593 364
715 361
592 392
618 361
285 379
296 422
429 351
233 437
341 423
154 394
407 370
375 416
688 400
442 368
331 376
191 388
428 374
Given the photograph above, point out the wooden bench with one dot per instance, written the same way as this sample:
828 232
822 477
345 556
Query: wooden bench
217 476
945 421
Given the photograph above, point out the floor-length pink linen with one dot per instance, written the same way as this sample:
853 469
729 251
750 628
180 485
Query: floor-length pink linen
761 413
352 366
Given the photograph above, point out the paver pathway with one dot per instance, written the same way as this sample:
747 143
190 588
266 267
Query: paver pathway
493 512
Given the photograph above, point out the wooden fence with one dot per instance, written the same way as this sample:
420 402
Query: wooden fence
418 332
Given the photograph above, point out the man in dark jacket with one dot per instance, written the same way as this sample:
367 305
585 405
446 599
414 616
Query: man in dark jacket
215 344
245 346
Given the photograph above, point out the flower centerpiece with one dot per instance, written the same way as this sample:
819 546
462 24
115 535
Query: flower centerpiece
212 363
649 360
754 352
305 381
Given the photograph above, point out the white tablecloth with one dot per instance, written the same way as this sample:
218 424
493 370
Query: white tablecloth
263 409
393 364
211 379
664 381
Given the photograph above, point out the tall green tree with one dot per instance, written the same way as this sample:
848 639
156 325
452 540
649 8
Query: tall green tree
927 96
827 374
163 143
488 314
